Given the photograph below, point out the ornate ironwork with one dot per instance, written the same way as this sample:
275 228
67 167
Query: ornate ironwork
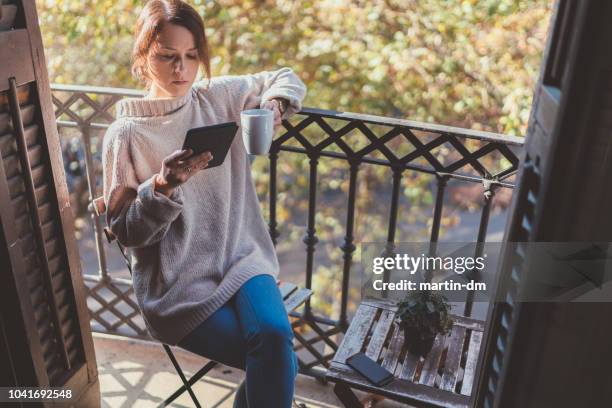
88 109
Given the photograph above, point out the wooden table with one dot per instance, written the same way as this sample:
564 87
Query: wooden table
444 378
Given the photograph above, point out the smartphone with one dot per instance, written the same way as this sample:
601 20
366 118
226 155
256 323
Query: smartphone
370 369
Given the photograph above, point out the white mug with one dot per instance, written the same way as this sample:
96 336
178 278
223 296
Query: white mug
257 130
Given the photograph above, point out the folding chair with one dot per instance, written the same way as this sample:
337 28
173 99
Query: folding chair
293 297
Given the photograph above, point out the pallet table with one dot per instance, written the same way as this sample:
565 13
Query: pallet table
444 378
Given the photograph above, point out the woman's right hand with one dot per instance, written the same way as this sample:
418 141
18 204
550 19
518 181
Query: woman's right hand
179 167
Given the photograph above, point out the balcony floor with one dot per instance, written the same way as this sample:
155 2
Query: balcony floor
136 373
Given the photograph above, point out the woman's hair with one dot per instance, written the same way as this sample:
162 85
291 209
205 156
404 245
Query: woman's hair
151 20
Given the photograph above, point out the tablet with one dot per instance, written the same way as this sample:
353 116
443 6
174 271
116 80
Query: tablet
216 139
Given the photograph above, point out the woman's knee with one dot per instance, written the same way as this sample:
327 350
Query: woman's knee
274 334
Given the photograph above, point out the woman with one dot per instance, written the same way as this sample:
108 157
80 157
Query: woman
204 264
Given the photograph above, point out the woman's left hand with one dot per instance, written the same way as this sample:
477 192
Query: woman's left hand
275 106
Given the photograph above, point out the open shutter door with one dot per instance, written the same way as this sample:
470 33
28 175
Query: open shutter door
554 354
46 338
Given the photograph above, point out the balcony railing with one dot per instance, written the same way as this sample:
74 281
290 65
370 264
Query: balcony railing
445 153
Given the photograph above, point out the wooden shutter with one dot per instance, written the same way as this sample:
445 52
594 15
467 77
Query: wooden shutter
46 338
557 354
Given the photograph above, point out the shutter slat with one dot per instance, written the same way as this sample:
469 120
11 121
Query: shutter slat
55 368
58 284
46 212
48 350
27 244
31 135
5 120
16 188
50 230
41 312
55 264
30 262
37 294
22 224
63 310
12 167
36 155
20 205
7 143
27 114
35 279
43 193
40 173
46 334
53 247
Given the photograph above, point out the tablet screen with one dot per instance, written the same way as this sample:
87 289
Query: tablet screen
216 139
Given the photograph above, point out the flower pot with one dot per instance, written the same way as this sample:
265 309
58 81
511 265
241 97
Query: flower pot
416 343
7 16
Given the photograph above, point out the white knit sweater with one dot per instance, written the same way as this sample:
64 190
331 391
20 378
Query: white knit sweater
192 251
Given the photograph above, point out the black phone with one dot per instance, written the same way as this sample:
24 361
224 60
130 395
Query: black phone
216 139
370 369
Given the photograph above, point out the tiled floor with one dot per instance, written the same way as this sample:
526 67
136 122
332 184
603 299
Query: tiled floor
136 373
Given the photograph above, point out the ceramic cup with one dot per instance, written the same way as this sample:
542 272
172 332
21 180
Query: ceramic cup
257 130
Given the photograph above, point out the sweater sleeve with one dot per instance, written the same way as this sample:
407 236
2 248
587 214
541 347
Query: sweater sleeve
253 90
136 214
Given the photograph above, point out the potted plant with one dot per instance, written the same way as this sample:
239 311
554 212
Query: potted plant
422 315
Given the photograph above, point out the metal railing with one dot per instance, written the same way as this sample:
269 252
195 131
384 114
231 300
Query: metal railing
469 156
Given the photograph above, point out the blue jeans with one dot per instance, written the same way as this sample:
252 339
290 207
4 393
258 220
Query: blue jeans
252 332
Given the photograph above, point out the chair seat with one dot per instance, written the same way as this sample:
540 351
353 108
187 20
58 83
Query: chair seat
293 296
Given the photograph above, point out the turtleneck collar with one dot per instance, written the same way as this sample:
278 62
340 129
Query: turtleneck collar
145 107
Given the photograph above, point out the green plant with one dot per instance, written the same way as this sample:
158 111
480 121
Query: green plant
422 315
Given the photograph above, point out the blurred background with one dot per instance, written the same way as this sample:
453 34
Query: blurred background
472 64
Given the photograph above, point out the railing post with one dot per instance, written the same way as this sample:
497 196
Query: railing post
310 239
437 217
488 194
272 198
390 247
348 248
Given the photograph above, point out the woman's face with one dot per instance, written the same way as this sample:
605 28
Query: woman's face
173 62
